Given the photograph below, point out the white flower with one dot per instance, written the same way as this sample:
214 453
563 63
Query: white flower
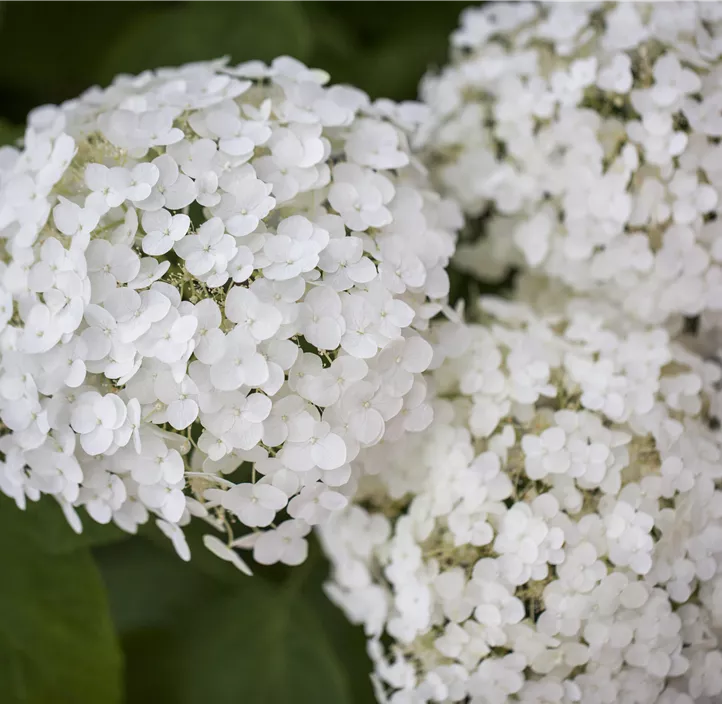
253 504
375 144
158 463
72 219
42 331
285 544
546 454
359 196
210 341
344 265
194 158
522 551
361 317
315 503
96 418
251 203
294 249
628 533
182 408
180 299
320 319
240 421
163 230
173 189
167 499
259 320
108 265
170 339
211 249
584 147
239 364
322 449
119 184
616 76
297 146
289 420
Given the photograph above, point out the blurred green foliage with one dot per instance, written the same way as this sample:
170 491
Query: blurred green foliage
57 640
163 631
190 635
51 51
105 618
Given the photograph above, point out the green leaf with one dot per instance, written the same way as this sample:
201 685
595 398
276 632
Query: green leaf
57 642
151 591
191 638
202 560
263 645
43 522
195 31
148 587
347 641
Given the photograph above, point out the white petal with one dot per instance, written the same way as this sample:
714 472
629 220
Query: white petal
174 506
268 548
329 452
221 550
97 441
182 413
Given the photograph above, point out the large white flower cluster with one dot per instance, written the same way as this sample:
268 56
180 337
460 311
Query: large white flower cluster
586 136
211 283
555 536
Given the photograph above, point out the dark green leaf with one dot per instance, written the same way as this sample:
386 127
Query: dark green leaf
152 592
56 637
201 559
190 638
43 522
262 645
149 587
347 641
196 31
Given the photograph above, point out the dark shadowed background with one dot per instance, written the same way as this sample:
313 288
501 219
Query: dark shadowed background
51 51
103 618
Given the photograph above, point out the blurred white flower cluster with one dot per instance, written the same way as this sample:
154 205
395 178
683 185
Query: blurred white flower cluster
555 536
211 288
587 138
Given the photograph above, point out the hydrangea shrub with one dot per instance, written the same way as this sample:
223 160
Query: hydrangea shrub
586 136
554 536
212 283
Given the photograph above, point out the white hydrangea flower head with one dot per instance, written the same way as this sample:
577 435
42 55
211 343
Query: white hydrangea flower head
555 536
213 282
583 139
